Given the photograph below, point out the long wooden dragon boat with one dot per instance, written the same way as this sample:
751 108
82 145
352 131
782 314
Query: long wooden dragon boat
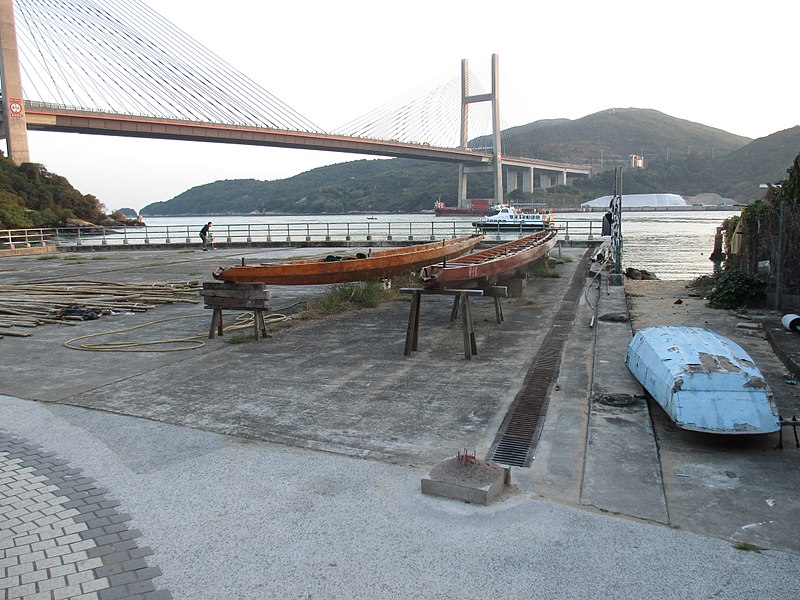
489 267
381 264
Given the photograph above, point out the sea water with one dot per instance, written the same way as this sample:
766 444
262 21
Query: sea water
673 245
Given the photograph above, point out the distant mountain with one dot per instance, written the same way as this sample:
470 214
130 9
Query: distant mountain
617 133
680 157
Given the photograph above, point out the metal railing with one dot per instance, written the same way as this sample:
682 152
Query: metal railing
277 233
25 238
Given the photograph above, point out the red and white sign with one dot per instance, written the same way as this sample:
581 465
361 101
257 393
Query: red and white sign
15 107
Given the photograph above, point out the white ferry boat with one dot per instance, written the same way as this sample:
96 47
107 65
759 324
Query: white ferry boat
513 219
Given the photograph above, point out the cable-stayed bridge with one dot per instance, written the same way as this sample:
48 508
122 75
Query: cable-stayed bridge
116 67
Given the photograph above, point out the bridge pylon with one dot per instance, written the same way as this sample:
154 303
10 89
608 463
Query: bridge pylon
14 124
466 100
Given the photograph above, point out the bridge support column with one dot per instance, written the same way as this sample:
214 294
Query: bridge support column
527 180
16 129
545 182
562 178
512 180
462 186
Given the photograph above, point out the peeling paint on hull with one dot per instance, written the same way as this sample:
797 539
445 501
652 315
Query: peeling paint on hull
704 381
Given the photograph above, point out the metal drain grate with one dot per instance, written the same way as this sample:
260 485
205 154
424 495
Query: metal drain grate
522 425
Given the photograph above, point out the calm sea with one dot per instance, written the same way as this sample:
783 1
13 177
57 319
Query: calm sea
673 245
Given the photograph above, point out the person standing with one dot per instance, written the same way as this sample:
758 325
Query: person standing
204 234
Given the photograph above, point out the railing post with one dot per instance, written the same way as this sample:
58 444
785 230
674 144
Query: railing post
146 237
389 235
327 232
188 236
79 242
566 231
288 233
105 241
249 236
269 234
308 232
229 234
410 233
347 236
433 237
168 240
369 234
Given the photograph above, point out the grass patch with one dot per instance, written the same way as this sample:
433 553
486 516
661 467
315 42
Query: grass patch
541 268
747 547
99 258
347 297
239 338
48 257
73 257
185 251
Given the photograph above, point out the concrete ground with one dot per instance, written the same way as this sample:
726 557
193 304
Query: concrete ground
291 467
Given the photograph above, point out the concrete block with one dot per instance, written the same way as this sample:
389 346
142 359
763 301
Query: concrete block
476 482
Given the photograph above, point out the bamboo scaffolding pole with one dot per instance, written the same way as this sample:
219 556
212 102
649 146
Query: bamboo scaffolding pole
31 304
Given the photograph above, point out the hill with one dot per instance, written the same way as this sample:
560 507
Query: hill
31 196
681 157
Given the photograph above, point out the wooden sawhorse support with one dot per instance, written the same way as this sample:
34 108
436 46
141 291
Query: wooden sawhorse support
236 296
495 292
462 297
259 324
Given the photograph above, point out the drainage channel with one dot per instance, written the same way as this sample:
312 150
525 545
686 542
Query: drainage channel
516 438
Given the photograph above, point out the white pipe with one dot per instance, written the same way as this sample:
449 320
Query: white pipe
791 322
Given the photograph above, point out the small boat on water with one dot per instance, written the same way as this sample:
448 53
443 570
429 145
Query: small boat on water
511 218
704 381
380 264
486 268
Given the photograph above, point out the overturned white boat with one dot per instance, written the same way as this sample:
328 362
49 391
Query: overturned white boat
704 381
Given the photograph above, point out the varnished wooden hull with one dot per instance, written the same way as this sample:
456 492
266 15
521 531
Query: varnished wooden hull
381 264
489 267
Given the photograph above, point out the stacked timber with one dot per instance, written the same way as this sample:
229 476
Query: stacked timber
28 305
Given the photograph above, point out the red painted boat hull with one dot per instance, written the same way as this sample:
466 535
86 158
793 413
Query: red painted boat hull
493 266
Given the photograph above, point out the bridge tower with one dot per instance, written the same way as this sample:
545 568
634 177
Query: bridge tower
14 124
466 100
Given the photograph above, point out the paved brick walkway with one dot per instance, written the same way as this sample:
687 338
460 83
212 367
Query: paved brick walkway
61 536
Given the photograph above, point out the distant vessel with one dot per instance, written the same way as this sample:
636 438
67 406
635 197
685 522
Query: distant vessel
489 267
514 219
704 381
479 207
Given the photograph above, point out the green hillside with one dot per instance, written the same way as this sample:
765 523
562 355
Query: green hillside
31 196
681 157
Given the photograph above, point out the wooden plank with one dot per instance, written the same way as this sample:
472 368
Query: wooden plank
230 285
247 294
236 303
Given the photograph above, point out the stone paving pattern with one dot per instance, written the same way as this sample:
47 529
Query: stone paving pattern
60 534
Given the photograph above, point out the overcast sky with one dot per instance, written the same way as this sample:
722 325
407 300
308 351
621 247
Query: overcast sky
723 64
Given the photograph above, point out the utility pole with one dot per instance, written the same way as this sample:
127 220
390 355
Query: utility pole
498 164
14 124
616 229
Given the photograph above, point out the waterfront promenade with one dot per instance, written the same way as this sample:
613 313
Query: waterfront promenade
291 467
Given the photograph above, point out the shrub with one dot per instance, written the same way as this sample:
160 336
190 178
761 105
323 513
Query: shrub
736 289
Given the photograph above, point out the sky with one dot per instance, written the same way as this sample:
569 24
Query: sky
726 65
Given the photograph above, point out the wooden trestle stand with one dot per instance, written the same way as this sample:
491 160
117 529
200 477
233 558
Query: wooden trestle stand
460 301
236 296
